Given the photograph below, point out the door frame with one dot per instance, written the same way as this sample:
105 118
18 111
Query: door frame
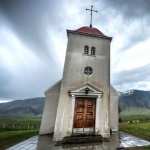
84 130
80 92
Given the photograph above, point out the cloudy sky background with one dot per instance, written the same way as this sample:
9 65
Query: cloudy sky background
33 42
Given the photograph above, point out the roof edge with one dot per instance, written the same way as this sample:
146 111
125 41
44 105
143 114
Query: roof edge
87 34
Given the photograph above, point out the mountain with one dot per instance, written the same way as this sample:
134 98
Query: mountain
33 107
26 107
134 99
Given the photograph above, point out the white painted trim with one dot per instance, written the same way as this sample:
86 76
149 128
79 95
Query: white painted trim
93 93
81 91
90 87
114 130
72 112
97 124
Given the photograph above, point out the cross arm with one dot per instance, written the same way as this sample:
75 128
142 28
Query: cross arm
92 10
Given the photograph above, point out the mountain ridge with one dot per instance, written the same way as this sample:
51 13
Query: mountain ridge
34 106
135 98
31 106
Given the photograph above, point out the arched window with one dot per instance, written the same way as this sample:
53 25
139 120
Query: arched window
93 50
86 49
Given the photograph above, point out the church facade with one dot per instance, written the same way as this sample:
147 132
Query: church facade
83 102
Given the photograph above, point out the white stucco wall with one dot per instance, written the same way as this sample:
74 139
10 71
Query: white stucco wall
50 108
114 114
74 77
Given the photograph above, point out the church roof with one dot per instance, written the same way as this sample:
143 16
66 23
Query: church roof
90 31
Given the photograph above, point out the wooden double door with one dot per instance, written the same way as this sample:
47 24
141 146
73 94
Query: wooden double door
84 114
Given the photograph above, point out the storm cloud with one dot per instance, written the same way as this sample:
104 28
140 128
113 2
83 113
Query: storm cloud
30 19
33 41
28 24
130 9
131 17
132 76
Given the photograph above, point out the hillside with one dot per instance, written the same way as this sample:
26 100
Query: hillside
135 99
132 100
27 107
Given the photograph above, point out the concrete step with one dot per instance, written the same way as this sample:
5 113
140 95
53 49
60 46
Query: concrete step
82 139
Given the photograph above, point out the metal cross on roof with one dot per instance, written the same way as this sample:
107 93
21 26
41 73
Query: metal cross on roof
91 13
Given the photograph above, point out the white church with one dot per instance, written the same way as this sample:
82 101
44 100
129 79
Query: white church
83 102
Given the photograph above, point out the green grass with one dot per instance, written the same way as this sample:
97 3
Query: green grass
135 114
9 138
14 130
10 124
138 129
137 123
139 148
141 118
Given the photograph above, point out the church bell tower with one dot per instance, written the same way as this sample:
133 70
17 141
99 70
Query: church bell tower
85 88
83 102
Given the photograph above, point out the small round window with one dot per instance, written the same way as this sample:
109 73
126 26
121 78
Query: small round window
88 70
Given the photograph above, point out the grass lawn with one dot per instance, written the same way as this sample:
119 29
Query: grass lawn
14 130
139 148
8 138
140 117
140 129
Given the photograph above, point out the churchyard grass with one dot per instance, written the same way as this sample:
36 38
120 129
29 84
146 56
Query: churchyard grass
132 118
14 130
136 128
136 122
139 148
9 138
137 125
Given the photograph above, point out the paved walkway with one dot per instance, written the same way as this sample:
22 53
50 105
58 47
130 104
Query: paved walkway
29 144
128 140
45 143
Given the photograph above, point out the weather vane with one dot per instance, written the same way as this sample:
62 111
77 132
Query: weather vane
91 14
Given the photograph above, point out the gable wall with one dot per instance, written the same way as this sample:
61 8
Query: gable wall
50 109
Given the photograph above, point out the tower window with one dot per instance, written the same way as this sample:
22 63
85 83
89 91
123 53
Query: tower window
93 50
86 50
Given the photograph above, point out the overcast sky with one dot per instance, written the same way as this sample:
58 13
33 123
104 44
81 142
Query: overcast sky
33 42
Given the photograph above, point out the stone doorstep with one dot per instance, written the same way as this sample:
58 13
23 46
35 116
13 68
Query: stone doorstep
127 141
82 139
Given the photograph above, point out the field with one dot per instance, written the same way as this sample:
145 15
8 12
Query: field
130 114
14 130
136 124
138 129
